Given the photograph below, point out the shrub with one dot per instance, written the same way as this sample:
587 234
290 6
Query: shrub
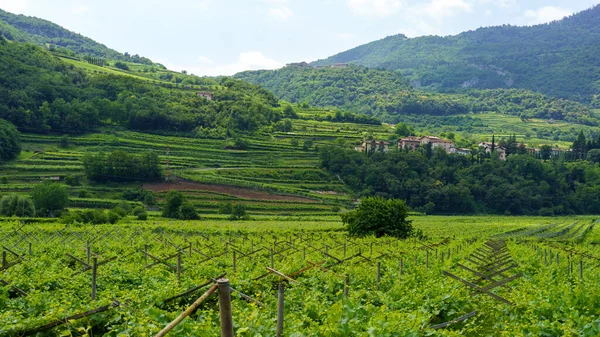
379 217
174 200
188 212
238 212
18 205
140 213
226 208
72 180
50 198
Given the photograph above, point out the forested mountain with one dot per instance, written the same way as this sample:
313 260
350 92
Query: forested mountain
386 94
42 32
39 92
558 59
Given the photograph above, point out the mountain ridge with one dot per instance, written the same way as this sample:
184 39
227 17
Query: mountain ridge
556 58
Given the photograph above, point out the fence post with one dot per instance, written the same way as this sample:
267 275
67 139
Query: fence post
3 259
401 267
346 285
272 266
427 259
88 251
581 269
94 276
234 265
178 267
30 250
280 310
378 274
225 308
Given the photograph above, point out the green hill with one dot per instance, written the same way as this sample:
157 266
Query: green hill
558 59
387 95
44 33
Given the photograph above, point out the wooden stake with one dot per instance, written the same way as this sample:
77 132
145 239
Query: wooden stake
280 310
272 264
401 267
4 259
581 269
346 285
225 308
94 276
188 311
30 250
234 266
427 259
88 252
378 274
178 267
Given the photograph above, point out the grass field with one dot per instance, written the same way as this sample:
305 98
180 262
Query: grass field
548 294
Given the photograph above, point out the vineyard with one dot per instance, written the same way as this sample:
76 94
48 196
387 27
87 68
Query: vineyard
472 276
275 176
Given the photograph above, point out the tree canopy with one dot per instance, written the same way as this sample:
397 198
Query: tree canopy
379 217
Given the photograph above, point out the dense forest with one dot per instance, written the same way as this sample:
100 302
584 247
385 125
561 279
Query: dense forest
387 95
438 183
41 32
39 93
558 59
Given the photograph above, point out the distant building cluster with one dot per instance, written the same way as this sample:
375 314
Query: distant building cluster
412 143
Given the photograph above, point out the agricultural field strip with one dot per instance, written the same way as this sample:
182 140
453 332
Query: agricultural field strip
112 243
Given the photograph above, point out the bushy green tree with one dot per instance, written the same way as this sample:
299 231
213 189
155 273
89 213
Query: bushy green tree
17 205
50 198
238 212
173 202
10 144
378 216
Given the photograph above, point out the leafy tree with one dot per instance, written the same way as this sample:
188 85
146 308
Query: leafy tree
307 145
187 211
64 141
121 65
140 213
10 145
594 155
403 130
226 208
378 216
17 205
50 198
173 202
580 146
545 152
238 212
122 166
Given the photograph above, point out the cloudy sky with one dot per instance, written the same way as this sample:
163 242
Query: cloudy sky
222 37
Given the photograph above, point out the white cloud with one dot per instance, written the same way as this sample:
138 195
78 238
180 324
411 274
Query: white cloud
80 10
375 7
546 14
14 6
345 36
281 13
253 60
501 3
439 9
205 60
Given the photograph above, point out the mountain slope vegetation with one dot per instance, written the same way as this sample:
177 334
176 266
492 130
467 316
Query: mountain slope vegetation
41 32
558 58
39 93
387 95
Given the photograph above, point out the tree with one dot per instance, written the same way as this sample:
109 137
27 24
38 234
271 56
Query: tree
10 145
403 130
378 216
579 146
121 65
173 202
546 152
238 212
188 212
594 155
50 198
307 144
18 205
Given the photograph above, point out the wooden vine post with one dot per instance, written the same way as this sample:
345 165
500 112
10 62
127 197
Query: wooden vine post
94 277
225 308
280 309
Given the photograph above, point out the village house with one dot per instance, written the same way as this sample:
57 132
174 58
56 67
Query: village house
488 149
412 143
462 151
205 94
370 146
